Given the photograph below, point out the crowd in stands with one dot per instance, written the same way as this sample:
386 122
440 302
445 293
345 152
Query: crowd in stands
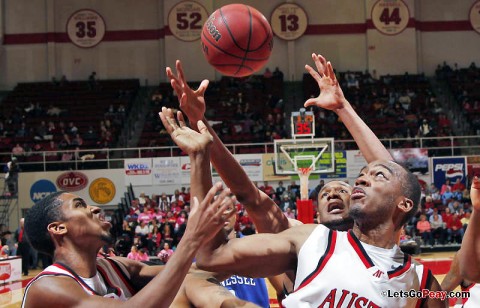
394 106
443 216
464 83
63 116
155 225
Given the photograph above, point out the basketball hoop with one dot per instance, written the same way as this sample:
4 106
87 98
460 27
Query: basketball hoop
303 174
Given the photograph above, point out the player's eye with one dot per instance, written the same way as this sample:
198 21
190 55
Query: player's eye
343 191
324 194
380 174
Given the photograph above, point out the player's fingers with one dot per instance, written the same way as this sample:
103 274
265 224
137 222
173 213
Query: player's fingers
310 102
181 74
183 101
169 117
313 73
330 71
181 119
176 87
476 182
211 194
318 65
203 87
165 122
195 205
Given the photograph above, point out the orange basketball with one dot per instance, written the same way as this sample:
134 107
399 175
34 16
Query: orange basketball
237 40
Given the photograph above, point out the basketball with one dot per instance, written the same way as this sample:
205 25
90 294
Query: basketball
237 40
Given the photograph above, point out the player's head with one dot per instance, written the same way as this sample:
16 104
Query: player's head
333 205
65 215
230 223
384 191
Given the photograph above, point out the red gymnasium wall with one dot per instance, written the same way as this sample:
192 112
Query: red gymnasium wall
139 43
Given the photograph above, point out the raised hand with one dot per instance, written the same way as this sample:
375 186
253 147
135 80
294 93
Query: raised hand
208 217
192 102
475 193
331 95
185 138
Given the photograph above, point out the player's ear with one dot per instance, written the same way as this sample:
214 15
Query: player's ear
405 205
57 228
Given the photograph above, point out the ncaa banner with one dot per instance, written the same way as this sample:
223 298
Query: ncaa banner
138 171
166 170
448 168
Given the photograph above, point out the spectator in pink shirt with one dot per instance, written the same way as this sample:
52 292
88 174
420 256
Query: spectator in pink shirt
145 216
424 229
133 254
143 255
165 253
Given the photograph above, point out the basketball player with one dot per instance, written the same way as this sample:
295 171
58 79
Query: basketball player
386 195
64 226
250 289
466 273
469 253
333 200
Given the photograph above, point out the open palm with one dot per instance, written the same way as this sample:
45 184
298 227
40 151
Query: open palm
331 95
185 138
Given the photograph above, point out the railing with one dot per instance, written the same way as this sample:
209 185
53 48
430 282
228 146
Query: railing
114 158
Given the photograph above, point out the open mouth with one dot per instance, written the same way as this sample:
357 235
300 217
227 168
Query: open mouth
357 193
335 207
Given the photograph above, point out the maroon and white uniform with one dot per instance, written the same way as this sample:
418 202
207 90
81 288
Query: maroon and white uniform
474 300
336 270
112 279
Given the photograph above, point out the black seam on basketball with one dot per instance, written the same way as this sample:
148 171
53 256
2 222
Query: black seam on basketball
212 44
230 32
250 26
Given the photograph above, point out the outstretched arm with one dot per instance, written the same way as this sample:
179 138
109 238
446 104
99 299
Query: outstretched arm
206 219
331 97
469 253
266 215
261 255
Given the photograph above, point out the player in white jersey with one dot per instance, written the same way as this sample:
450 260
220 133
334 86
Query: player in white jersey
333 201
364 261
334 194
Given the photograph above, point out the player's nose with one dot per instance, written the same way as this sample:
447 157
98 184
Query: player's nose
94 209
362 181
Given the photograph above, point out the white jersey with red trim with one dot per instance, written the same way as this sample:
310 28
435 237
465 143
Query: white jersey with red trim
336 270
474 300
113 278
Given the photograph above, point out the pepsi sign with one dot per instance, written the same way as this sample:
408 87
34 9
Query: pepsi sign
449 168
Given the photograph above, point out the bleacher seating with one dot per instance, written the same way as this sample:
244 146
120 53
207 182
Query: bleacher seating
84 103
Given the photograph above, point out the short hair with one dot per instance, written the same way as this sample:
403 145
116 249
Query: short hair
38 218
412 190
